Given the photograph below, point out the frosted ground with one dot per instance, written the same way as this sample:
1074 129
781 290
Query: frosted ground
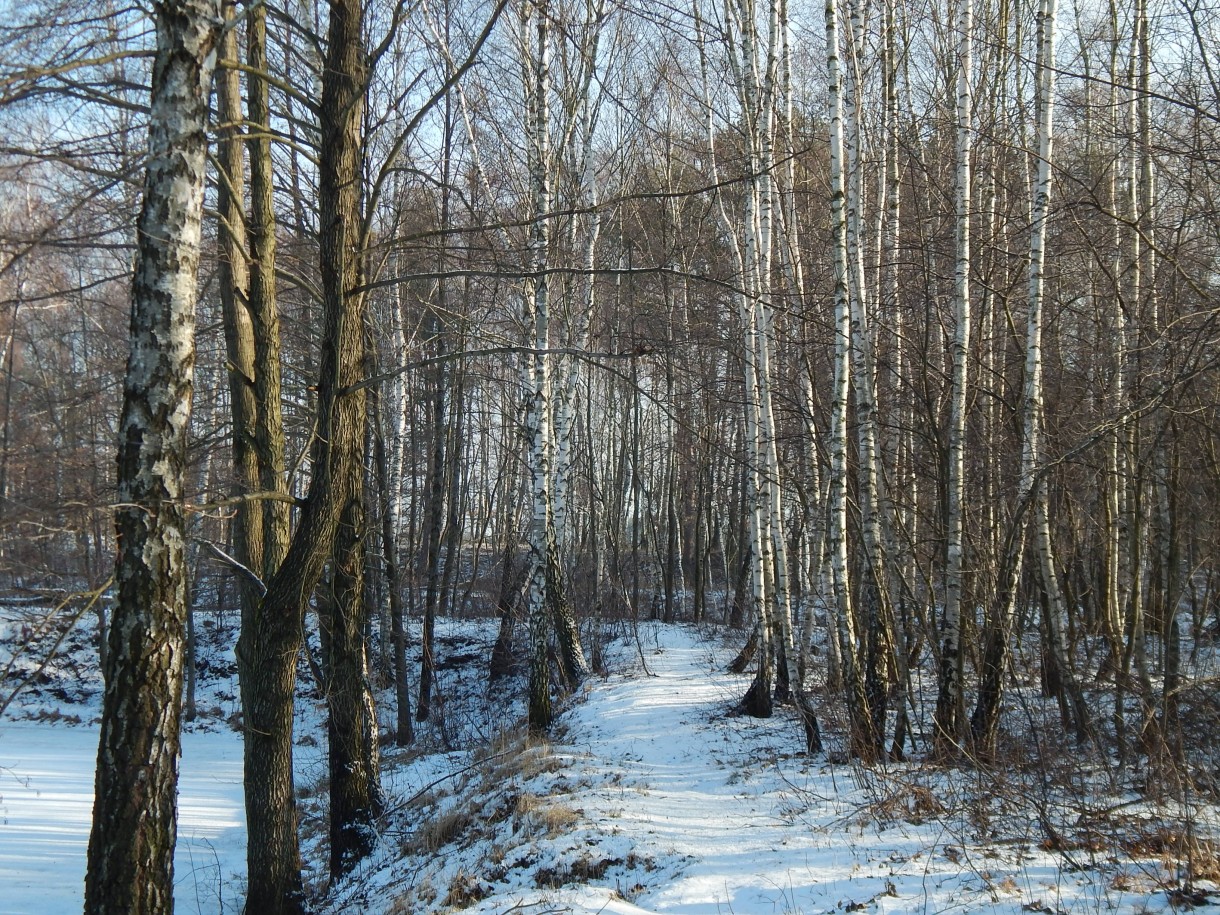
652 797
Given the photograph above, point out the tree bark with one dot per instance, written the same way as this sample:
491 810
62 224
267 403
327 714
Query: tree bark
263 305
240 344
404 732
355 783
536 47
984 721
864 743
131 845
950 720
269 649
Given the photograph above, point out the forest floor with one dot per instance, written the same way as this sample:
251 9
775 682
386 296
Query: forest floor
652 796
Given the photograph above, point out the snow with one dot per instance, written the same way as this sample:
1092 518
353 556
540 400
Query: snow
684 807
46 805
652 797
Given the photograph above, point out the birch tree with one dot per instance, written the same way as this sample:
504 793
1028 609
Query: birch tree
950 702
755 35
546 605
846 629
131 845
1031 493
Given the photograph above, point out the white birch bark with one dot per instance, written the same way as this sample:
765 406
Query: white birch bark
1133 552
131 844
754 38
1031 493
862 297
1116 476
742 242
811 568
583 116
535 44
755 233
846 628
1076 714
898 560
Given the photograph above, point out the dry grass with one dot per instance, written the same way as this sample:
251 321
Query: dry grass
518 756
582 870
440 829
464 891
909 803
537 815
1200 858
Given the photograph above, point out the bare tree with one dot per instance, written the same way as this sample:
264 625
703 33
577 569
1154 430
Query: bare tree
131 845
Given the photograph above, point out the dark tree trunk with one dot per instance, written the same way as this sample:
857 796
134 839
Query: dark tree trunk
272 513
453 516
355 787
572 664
234 276
511 580
270 634
741 662
268 649
985 719
737 611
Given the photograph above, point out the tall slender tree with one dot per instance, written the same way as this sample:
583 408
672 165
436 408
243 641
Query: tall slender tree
950 701
846 628
270 648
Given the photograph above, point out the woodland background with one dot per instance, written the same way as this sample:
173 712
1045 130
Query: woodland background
885 330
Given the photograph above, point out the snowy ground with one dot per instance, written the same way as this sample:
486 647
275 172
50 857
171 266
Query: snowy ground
652 797
46 802
48 748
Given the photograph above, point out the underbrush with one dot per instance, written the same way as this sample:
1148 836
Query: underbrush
477 808
504 818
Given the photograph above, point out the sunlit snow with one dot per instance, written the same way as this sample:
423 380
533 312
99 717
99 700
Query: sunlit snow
660 799
46 806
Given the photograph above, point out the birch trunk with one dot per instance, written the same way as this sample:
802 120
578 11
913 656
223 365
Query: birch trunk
863 740
743 238
876 635
583 117
404 731
536 305
1031 489
434 519
950 703
131 845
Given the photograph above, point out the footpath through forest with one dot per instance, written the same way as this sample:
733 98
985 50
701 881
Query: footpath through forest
653 796
657 798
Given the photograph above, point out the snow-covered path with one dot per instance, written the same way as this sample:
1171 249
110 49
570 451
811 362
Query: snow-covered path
730 816
693 793
670 739
46 806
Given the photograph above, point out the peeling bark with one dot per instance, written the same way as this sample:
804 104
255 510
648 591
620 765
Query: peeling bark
131 845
